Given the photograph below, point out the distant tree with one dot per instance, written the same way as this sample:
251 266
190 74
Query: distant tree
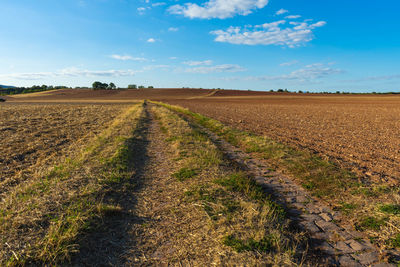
99 85
281 90
132 86
141 87
150 87
300 92
112 86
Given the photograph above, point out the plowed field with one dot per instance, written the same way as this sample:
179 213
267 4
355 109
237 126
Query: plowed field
359 132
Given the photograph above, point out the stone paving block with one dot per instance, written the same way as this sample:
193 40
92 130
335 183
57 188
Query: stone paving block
309 217
312 208
383 265
301 199
320 235
298 205
346 260
326 247
343 247
327 226
326 216
346 235
356 245
367 258
311 227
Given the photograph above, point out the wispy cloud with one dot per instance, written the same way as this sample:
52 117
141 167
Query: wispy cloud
221 9
293 17
127 57
280 32
198 63
142 10
153 67
151 40
290 63
158 4
308 73
173 29
216 69
281 11
69 72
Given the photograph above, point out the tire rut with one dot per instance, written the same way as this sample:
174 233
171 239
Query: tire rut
104 245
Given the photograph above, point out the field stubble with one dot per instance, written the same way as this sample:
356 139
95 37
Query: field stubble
34 135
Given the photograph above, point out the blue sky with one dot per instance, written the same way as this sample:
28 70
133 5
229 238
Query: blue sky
240 44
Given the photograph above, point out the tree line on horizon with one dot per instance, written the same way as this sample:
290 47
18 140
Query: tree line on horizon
111 86
26 90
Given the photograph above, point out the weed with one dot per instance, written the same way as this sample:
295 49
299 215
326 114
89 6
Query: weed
391 209
184 173
371 223
239 182
347 208
395 242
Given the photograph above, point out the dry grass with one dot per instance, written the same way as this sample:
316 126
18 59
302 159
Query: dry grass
231 220
35 136
42 218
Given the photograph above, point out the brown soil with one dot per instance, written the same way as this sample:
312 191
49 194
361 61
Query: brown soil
359 132
84 95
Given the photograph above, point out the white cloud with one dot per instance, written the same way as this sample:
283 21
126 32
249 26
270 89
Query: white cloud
290 34
290 63
69 72
173 58
198 63
306 74
158 4
173 29
153 67
142 10
281 11
127 57
221 9
216 69
293 17
151 40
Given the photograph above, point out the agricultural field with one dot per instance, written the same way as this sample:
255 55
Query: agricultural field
199 177
35 135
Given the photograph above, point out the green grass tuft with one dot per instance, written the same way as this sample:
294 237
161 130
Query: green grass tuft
391 209
264 245
371 223
184 173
